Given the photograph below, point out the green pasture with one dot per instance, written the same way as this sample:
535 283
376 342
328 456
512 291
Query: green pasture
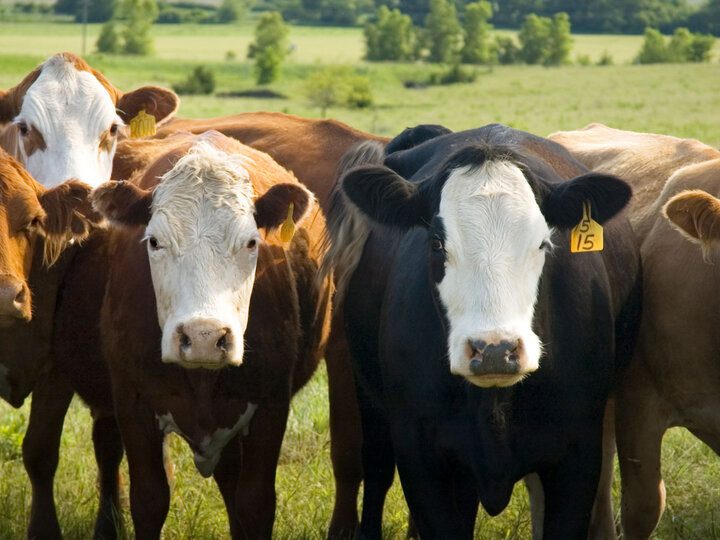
677 99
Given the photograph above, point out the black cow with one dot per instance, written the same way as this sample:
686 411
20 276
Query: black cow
484 350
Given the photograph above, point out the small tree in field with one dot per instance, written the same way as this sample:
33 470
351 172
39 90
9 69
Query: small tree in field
534 39
560 40
230 11
442 31
653 48
477 46
270 47
109 39
392 37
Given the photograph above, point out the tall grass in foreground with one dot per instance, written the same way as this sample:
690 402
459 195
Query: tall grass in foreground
305 486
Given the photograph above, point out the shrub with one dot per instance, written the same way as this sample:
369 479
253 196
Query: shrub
200 81
477 46
270 47
653 49
442 31
338 85
109 39
392 37
453 75
508 51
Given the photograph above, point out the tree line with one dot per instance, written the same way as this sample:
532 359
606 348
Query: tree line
595 16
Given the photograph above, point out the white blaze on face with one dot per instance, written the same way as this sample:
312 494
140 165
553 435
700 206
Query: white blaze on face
494 230
68 117
203 247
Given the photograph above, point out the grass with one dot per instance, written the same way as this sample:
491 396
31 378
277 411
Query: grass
675 99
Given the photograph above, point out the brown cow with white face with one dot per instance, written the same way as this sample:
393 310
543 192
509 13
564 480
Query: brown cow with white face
63 120
311 149
674 377
197 269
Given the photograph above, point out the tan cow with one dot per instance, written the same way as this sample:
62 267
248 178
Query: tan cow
63 120
674 377
182 267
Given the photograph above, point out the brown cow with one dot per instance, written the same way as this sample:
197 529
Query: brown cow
674 377
193 274
63 120
311 149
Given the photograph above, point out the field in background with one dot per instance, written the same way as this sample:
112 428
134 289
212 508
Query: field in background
676 99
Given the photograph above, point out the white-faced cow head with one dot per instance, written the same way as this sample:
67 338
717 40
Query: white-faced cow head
28 210
202 240
489 223
64 119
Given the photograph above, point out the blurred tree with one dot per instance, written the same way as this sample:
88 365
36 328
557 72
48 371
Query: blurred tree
392 37
270 46
442 32
478 48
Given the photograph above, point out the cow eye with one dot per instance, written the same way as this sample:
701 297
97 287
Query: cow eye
545 245
31 226
436 245
114 129
252 243
24 129
153 243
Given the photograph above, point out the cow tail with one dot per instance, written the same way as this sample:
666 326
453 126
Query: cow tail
347 229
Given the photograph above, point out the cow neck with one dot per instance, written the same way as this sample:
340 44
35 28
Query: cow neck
25 348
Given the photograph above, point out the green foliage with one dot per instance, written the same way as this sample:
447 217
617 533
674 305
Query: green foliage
392 37
442 32
560 40
606 59
453 75
545 41
534 39
508 51
200 81
478 48
653 48
270 46
707 18
97 10
12 431
109 39
338 85
684 46
231 11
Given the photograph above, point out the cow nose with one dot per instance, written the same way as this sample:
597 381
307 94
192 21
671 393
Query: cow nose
14 301
494 358
204 343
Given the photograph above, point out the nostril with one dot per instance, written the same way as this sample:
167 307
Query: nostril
477 346
21 297
184 340
225 341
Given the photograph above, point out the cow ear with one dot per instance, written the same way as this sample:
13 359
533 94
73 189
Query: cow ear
271 209
158 102
69 216
7 108
696 214
122 203
385 196
563 204
412 137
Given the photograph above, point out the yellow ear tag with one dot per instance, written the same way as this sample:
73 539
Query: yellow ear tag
143 125
587 235
287 230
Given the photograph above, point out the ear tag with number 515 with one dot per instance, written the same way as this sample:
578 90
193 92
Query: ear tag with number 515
587 235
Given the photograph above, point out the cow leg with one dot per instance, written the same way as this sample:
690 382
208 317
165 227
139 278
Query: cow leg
108 454
227 474
149 491
536 495
641 420
378 469
50 401
570 488
255 496
345 433
602 522
443 505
